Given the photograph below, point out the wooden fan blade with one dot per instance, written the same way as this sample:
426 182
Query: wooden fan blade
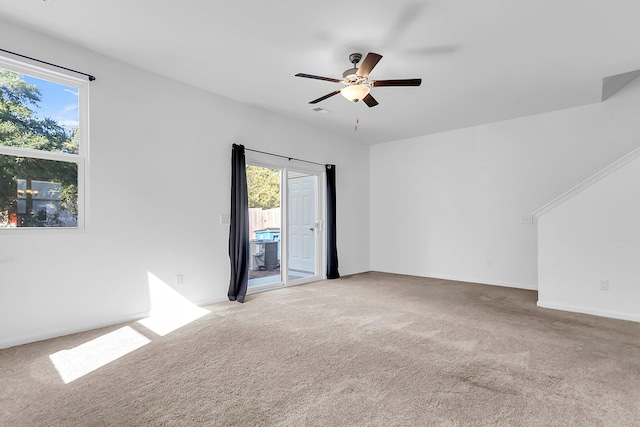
403 82
311 76
322 98
370 101
367 65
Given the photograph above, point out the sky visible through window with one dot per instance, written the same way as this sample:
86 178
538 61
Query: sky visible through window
58 102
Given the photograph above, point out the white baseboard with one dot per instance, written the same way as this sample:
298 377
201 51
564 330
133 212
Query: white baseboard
202 303
68 331
484 282
12 342
591 311
472 280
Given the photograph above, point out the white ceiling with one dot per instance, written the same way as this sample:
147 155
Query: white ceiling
480 61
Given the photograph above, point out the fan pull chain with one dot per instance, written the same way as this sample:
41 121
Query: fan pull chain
355 129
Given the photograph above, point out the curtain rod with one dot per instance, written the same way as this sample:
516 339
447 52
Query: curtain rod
91 78
284 157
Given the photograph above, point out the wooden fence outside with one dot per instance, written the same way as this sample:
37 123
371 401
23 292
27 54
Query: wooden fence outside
259 219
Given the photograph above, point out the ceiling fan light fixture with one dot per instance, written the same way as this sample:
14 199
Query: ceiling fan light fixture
355 92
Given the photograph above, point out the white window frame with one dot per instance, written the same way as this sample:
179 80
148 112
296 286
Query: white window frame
81 159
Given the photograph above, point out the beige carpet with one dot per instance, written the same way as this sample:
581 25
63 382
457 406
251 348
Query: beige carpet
367 350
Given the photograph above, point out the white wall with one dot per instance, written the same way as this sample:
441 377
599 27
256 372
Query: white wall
160 153
443 205
591 237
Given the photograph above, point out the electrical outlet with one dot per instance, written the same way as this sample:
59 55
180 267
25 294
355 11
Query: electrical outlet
604 285
489 263
225 219
179 280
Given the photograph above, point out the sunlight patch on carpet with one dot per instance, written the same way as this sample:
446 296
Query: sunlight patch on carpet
83 359
169 309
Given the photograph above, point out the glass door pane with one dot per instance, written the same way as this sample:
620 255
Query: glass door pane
302 231
263 185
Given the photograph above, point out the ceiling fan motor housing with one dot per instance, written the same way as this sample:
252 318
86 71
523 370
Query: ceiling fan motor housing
350 76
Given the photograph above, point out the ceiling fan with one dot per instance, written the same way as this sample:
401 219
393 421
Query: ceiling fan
357 80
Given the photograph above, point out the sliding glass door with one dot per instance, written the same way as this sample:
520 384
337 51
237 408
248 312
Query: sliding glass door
286 213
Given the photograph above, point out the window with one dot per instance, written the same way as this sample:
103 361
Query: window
43 147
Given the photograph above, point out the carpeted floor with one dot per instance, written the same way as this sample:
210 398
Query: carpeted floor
366 350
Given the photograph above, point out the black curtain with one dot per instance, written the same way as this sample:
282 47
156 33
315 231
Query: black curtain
332 249
239 228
